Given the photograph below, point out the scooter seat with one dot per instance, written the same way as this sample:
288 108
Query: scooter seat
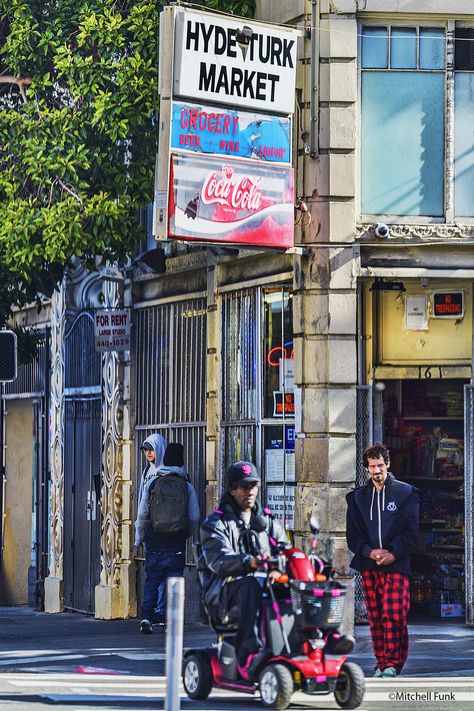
227 624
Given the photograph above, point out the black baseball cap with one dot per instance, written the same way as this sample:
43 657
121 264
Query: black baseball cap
241 474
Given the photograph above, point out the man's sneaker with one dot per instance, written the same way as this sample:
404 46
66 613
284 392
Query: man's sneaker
159 621
389 673
146 627
378 673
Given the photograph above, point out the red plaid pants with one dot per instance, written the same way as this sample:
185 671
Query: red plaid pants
387 598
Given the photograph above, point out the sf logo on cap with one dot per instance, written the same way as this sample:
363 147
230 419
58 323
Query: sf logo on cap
247 469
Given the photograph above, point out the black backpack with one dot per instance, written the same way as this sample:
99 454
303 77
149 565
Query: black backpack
169 508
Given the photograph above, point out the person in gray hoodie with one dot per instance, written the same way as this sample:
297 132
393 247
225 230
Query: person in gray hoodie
153 448
164 552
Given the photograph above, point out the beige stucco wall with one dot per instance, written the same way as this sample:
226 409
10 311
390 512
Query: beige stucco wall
18 503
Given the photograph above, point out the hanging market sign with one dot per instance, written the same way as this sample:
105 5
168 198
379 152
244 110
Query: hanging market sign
221 131
112 330
223 60
448 304
238 202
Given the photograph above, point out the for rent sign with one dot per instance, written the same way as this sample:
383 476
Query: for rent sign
112 330
234 62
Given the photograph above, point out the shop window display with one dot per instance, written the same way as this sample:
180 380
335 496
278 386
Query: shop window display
279 406
424 430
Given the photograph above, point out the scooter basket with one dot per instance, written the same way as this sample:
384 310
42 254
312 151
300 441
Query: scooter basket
317 604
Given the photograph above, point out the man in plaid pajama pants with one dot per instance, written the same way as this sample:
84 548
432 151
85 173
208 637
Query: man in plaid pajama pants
382 531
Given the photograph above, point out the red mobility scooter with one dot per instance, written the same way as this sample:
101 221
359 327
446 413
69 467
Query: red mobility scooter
298 624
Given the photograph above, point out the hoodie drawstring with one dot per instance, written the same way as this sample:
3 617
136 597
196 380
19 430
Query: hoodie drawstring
372 503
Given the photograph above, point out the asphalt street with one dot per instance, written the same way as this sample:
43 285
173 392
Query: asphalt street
71 661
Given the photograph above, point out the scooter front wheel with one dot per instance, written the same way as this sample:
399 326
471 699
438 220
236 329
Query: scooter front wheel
276 686
197 676
350 686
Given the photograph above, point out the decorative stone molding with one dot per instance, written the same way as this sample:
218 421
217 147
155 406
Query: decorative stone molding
112 592
53 584
432 232
186 262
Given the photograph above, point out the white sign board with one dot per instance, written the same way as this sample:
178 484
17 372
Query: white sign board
234 62
112 330
416 316
281 500
275 464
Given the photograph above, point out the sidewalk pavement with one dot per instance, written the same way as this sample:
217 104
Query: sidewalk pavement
65 642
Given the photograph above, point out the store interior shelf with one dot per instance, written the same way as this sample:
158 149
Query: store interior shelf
443 418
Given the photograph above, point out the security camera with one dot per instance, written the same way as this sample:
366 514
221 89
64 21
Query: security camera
382 230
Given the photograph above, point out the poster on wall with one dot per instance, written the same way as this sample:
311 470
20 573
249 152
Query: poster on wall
231 201
416 315
279 461
226 131
281 500
235 62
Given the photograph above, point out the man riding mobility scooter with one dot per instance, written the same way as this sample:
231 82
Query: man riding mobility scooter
298 625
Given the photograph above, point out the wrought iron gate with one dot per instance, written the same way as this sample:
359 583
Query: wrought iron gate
469 499
240 377
170 397
170 349
82 465
364 429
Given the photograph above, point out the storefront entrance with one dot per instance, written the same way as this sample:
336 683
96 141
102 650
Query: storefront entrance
423 427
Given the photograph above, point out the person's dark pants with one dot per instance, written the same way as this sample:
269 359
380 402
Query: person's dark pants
245 595
159 566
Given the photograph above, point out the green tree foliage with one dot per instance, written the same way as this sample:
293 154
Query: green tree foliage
78 109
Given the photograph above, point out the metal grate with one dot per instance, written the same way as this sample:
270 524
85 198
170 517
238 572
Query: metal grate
170 348
240 397
239 345
83 365
364 427
170 395
32 377
468 498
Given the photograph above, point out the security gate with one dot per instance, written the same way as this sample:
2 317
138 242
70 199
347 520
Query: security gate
364 429
469 498
82 465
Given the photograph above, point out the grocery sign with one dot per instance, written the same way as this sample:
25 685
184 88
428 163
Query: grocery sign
221 131
234 62
231 201
227 96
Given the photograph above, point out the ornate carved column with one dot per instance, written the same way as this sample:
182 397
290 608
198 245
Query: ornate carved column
113 596
54 582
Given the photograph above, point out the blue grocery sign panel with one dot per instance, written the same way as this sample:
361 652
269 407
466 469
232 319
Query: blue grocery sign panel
229 132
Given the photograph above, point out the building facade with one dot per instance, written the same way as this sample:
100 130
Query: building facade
299 360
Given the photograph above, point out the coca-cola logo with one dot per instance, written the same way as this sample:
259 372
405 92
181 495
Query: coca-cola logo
234 191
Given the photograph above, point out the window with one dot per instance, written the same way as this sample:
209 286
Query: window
258 390
464 122
403 86
404 101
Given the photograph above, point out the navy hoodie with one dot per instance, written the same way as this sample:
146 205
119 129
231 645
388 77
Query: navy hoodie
387 519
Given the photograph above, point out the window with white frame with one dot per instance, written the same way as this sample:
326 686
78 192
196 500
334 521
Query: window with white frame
404 125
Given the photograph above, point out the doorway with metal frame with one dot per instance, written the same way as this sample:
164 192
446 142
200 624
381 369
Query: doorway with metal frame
82 465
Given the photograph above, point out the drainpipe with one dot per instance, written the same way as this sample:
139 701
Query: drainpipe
314 99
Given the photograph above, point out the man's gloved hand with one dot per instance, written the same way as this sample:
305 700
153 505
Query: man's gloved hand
273 576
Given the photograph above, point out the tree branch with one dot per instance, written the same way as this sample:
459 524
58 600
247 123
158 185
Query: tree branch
68 190
21 82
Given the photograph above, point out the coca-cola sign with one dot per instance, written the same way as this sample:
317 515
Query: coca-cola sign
240 193
239 202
